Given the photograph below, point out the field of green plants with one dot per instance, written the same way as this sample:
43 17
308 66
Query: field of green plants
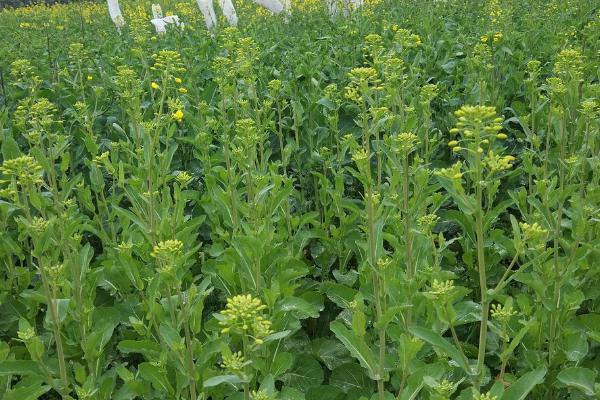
402 204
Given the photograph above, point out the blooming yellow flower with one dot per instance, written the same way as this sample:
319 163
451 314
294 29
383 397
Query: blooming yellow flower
90 77
178 115
154 85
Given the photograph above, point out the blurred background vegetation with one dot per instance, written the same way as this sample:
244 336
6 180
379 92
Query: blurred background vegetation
21 3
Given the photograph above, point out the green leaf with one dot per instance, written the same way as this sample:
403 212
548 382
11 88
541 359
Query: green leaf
357 347
350 377
328 392
465 203
62 305
277 336
155 375
19 367
437 341
32 392
289 393
516 340
151 350
307 372
331 352
575 346
524 385
281 363
10 148
302 308
341 295
579 378
220 379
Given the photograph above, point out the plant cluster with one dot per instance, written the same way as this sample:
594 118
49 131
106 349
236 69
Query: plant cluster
401 204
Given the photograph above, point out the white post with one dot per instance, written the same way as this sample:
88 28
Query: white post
115 14
272 5
208 11
229 12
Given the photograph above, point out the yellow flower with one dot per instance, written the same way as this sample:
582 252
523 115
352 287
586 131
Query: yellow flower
182 90
90 77
178 80
178 115
154 85
502 136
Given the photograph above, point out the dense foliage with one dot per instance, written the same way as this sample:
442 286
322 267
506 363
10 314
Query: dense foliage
403 204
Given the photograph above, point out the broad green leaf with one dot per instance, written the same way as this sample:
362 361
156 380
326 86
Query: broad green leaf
350 377
521 388
306 373
341 295
575 346
328 392
151 350
281 363
32 392
437 341
220 379
156 376
330 352
289 393
19 367
580 378
302 308
357 347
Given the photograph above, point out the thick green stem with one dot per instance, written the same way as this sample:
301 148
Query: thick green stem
481 266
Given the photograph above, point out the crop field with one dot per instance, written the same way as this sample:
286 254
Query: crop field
397 202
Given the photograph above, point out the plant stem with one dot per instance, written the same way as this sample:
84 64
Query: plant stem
56 330
407 233
480 266
557 236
